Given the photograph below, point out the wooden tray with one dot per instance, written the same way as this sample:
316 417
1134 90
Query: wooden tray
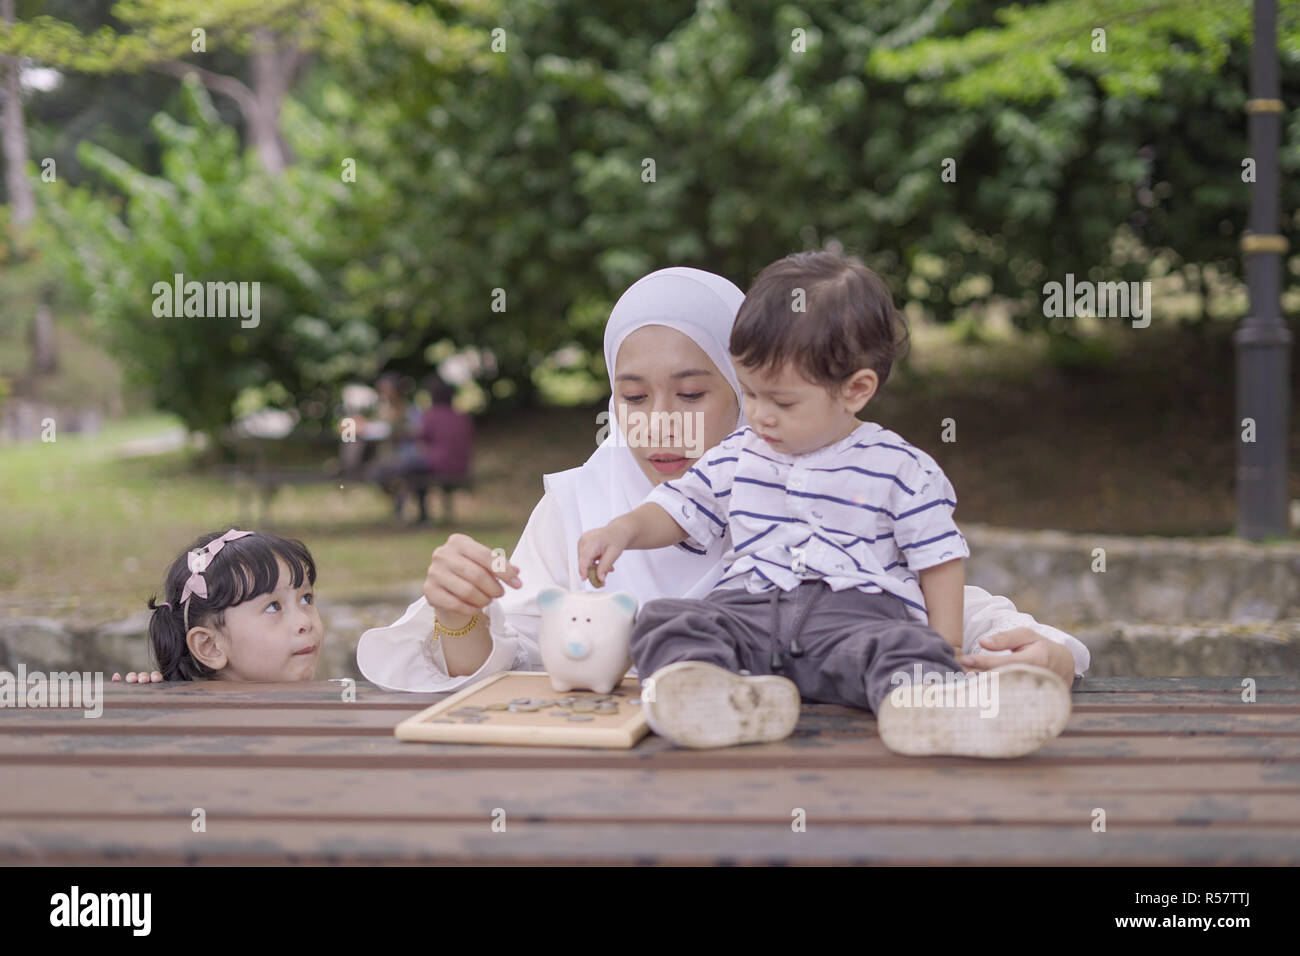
536 728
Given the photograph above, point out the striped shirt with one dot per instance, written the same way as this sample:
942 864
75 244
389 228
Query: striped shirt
868 512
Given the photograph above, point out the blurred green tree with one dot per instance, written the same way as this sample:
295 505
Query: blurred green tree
274 36
215 215
507 203
617 140
1092 136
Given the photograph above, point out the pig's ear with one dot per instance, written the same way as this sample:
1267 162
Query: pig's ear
549 598
626 601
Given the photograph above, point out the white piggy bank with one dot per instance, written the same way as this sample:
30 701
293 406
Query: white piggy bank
584 638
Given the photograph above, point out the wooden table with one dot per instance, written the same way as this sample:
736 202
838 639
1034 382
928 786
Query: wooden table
1185 772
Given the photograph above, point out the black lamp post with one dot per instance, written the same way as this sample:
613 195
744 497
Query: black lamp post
1262 340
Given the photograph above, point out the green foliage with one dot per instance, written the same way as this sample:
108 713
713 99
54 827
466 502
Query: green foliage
1037 49
522 170
164 30
1071 160
213 215
531 180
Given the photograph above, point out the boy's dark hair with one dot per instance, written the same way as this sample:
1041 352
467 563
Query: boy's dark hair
848 320
242 569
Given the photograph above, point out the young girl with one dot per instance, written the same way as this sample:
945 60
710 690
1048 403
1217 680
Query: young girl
239 606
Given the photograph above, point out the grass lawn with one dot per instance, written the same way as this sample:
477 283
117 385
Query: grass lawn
86 532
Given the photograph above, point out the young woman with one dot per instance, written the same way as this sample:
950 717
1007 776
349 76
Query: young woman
666 351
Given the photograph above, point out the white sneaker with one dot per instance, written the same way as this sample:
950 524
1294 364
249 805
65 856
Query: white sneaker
1033 706
699 705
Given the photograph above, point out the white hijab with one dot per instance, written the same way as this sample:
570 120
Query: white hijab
702 306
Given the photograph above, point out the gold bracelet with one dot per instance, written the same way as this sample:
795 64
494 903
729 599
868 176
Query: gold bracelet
456 632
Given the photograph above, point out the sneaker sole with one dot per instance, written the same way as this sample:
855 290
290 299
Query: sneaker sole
1033 707
702 706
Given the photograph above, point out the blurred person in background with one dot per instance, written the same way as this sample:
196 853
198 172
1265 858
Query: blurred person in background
446 440
398 456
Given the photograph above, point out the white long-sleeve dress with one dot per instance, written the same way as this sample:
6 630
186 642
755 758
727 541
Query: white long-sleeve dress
402 656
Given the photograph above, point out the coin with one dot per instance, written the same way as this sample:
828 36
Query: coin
521 700
578 717
496 706
525 708
583 707
607 708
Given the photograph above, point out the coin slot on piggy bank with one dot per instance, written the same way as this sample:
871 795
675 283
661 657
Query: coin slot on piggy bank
585 638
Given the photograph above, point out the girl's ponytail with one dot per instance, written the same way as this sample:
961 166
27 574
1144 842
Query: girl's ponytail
167 640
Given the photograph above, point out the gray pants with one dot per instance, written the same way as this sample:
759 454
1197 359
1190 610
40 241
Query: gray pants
839 647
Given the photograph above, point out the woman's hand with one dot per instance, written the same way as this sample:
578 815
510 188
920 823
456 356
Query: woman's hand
462 580
1027 647
140 677
601 547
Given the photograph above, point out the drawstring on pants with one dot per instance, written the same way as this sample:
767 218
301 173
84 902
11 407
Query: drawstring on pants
795 649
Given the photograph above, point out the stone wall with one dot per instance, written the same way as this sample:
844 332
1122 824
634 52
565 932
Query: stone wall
1175 606
1049 573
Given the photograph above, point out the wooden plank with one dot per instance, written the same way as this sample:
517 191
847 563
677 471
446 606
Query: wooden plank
1186 700
223 693
331 720
1290 682
144 750
352 721
139 843
215 693
578 798
950 786
150 699
224 690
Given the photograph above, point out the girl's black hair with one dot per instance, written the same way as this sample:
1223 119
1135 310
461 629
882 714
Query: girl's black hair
244 568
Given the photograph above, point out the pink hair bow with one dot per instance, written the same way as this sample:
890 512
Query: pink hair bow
200 559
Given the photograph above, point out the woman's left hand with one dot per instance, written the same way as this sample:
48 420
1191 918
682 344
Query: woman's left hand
1027 647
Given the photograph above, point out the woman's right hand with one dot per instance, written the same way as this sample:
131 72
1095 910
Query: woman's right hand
461 581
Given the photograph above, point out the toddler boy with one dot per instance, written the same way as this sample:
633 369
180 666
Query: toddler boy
838 523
